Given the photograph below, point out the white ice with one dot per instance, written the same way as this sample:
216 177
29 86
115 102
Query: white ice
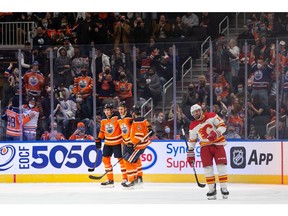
151 193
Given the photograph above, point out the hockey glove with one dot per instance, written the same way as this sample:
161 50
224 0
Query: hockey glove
191 156
151 134
129 148
98 143
212 136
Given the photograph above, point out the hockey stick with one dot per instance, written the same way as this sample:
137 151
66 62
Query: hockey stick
98 157
196 177
99 177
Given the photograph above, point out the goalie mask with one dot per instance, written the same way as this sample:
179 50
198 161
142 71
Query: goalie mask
196 111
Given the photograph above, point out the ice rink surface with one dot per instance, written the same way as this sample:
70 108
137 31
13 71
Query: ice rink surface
169 198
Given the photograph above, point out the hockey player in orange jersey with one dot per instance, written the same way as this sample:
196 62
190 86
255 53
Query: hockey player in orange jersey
125 120
209 128
111 133
138 142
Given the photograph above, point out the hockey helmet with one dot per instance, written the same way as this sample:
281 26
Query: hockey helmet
194 108
122 104
108 106
135 109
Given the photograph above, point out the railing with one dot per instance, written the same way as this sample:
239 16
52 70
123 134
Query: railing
187 71
226 28
16 33
271 125
149 110
203 52
166 86
236 22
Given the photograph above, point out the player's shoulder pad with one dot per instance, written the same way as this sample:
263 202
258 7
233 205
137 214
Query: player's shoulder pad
210 115
139 119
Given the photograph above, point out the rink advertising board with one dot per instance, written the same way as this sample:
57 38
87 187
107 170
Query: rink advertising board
285 166
248 161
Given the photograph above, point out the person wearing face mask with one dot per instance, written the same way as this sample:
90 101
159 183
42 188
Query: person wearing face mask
262 75
160 123
123 89
262 50
53 134
153 86
83 84
84 113
34 81
80 134
122 34
105 86
29 129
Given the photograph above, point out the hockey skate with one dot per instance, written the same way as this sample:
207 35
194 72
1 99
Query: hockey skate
139 182
224 193
211 195
107 184
128 185
123 182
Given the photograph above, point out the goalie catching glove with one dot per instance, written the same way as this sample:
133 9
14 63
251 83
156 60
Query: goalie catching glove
191 156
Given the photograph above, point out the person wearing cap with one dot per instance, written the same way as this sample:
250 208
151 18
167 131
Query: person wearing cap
80 133
34 81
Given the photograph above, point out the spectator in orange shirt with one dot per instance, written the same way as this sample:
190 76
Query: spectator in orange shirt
80 134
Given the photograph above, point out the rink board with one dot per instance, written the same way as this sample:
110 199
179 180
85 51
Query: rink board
163 161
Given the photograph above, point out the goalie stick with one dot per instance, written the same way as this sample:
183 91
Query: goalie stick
99 177
196 177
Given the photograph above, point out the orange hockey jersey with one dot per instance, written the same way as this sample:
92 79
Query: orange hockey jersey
14 121
125 126
34 82
123 89
83 84
139 129
110 130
